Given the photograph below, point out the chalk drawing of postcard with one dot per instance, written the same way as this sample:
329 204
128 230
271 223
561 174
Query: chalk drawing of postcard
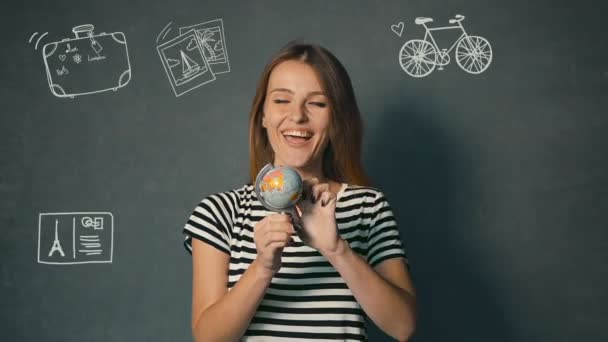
185 63
75 238
211 36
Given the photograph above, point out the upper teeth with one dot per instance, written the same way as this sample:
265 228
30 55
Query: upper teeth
303 134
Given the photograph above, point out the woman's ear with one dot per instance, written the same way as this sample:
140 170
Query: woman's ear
264 121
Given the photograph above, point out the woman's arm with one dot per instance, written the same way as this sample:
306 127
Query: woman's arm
219 314
386 294
222 315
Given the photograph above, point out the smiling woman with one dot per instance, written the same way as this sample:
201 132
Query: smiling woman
254 277
308 72
296 117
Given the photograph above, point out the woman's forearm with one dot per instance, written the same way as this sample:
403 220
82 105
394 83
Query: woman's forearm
228 318
390 307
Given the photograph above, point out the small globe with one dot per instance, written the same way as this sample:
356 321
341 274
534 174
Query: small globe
280 187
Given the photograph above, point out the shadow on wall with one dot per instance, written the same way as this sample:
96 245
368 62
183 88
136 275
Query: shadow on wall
424 172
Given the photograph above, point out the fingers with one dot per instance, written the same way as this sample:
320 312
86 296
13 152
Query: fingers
273 231
327 199
319 189
277 238
271 235
300 208
275 222
314 188
278 245
320 194
278 218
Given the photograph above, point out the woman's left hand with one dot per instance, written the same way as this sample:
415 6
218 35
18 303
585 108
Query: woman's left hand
317 217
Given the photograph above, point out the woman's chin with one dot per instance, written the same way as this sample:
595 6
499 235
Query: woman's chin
295 163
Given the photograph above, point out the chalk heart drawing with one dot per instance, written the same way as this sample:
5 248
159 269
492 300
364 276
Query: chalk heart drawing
419 57
195 56
106 66
398 28
75 238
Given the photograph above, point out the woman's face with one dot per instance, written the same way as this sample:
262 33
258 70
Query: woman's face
296 116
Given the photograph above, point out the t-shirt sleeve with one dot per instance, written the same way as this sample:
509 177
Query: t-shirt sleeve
211 222
383 240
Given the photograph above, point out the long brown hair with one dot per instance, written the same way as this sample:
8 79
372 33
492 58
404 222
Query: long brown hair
342 156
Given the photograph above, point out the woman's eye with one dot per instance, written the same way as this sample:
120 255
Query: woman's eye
319 104
279 101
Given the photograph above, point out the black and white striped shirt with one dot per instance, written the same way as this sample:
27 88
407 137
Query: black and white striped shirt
307 299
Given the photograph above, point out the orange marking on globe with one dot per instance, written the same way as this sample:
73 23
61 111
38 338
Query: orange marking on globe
273 181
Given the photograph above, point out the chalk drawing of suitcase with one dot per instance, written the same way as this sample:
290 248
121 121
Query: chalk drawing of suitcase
87 64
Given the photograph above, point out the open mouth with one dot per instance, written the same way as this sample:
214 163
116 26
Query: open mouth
297 137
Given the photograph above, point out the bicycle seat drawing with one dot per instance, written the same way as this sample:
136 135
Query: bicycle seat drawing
419 57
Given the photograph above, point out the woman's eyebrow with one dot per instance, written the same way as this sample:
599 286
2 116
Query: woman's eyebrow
286 90
282 90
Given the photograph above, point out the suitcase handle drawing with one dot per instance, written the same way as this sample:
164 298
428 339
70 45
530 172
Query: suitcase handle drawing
86 29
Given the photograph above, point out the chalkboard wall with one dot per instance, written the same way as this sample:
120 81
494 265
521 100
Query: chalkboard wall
496 166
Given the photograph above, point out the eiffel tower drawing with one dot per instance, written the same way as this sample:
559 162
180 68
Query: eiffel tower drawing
56 245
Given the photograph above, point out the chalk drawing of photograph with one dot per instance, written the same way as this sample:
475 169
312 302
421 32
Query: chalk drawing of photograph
75 238
211 36
87 64
419 57
185 63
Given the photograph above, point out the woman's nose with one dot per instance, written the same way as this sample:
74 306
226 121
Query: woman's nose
298 114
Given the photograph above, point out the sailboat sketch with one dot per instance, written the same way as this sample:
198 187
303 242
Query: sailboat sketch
185 63
189 67
195 56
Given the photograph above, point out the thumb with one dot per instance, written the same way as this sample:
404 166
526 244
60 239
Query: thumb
297 220
298 211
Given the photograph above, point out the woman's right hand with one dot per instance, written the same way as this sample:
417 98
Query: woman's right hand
271 235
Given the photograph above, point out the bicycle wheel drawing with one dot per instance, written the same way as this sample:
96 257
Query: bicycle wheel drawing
418 58
473 54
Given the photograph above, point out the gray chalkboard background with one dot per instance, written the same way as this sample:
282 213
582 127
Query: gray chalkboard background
499 180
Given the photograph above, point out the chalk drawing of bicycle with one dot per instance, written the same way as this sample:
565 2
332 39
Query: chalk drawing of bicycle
419 57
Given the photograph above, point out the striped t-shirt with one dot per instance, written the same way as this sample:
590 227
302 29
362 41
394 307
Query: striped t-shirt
306 299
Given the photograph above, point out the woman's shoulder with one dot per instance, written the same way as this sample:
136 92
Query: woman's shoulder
364 193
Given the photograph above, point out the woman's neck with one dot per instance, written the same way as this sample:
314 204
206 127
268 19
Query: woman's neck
309 172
